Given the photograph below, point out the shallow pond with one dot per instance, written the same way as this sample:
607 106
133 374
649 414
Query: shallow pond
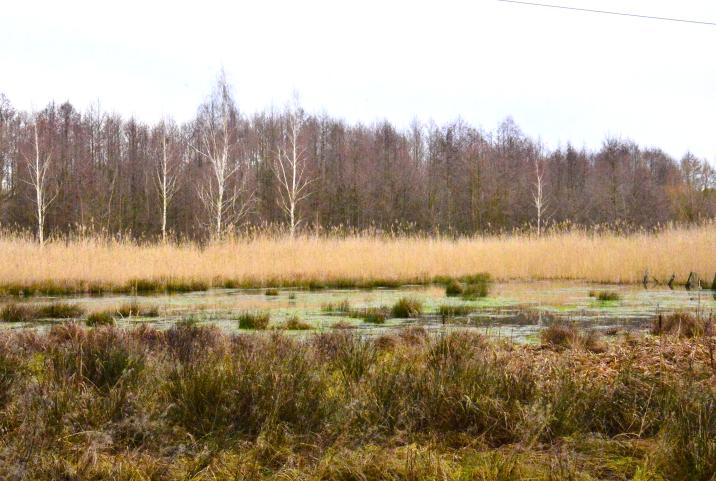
513 309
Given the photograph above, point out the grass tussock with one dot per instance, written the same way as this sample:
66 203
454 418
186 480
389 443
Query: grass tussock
406 307
134 309
567 335
89 265
254 320
102 318
193 402
14 312
449 311
682 323
342 307
294 323
605 296
271 292
372 315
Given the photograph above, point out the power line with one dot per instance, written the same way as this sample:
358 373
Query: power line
622 14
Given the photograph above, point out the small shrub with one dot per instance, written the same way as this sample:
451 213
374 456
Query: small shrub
17 313
406 307
291 296
271 292
103 318
683 324
254 320
453 288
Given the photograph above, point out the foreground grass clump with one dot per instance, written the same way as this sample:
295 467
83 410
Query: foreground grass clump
406 307
685 324
254 320
566 335
193 402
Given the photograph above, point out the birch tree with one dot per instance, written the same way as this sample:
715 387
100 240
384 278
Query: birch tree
289 166
38 166
538 195
166 177
222 194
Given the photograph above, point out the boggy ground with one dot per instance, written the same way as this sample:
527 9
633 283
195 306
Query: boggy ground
197 403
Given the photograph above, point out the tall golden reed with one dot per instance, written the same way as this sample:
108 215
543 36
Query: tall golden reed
599 257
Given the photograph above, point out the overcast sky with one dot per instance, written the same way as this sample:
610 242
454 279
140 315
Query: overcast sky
563 76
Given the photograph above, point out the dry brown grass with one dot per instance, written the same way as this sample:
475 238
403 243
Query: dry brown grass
603 257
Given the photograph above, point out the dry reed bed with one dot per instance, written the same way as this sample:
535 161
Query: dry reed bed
358 260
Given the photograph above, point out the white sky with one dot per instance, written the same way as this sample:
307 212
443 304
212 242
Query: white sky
563 76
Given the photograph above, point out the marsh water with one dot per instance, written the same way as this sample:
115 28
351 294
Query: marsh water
513 309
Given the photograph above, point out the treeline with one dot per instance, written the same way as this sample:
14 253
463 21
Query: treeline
64 171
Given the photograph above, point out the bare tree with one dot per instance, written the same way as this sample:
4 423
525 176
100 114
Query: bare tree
290 166
222 194
39 166
167 175
538 195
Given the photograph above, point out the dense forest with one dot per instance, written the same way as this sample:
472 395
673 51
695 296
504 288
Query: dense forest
226 171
